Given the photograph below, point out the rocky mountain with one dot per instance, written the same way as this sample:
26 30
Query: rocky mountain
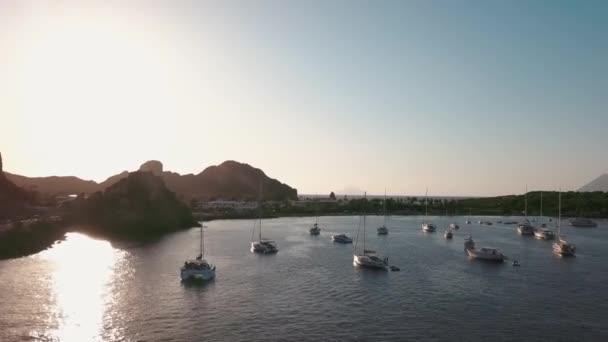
13 199
139 205
229 180
598 184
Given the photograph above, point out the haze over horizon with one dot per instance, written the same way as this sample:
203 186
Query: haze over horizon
464 97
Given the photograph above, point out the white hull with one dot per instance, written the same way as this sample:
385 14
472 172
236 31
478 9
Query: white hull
428 227
369 261
482 255
544 235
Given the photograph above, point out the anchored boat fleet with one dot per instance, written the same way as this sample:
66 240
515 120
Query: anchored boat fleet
200 269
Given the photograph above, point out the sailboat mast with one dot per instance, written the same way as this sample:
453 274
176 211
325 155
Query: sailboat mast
526 202
426 203
202 239
559 215
364 205
541 205
260 209
385 207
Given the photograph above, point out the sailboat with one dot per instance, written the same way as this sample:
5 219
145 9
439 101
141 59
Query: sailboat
315 230
543 233
561 246
368 258
382 230
427 226
525 227
199 268
262 246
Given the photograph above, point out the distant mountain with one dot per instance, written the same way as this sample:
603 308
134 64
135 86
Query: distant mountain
54 184
598 184
229 180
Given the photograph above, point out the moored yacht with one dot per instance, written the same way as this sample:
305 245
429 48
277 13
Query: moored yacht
582 222
525 227
486 253
544 234
315 230
427 226
561 246
383 230
198 268
448 234
454 226
262 246
368 258
341 238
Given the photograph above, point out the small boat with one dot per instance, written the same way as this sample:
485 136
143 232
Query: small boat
544 234
448 234
525 227
454 226
515 263
315 230
368 258
382 230
262 246
469 243
199 268
582 222
467 222
486 253
561 246
427 226
510 222
341 238
498 222
395 269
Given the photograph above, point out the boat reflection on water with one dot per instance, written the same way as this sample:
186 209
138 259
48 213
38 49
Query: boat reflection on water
81 271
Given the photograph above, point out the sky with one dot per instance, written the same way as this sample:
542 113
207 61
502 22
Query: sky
473 98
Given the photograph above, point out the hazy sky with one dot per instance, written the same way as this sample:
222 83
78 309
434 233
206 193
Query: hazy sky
465 97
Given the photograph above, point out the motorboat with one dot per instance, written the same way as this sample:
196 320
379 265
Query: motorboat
454 226
341 238
264 246
525 228
544 234
382 230
469 243
448 234
486 253
428 227
467 222
315 230
582 222
198 268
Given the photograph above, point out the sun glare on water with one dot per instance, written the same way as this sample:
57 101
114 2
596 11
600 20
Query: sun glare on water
82 270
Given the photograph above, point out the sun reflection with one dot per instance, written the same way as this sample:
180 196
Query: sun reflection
82 270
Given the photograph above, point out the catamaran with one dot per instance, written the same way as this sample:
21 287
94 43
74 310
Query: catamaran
561 246
368 258
382 230
262 246
198 268
427 226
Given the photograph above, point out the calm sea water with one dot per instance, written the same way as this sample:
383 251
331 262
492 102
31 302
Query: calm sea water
89 290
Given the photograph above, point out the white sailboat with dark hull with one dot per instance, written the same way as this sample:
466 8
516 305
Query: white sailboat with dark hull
543 233
368 258
198 268
262 246
525 227
383 230
561 246
427 227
